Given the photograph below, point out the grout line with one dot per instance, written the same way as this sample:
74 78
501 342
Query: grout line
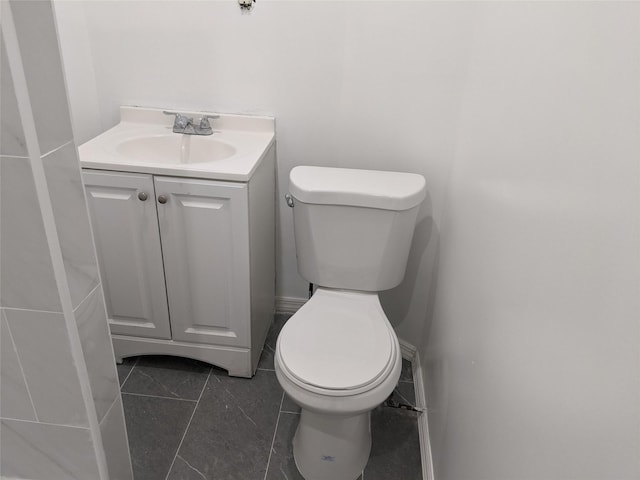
70 142
106 414
273 440
21 157
32 310
158 396
79 427
88 295
3 318
189 424
129 374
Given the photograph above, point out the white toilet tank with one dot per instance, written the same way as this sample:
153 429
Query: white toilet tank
353 228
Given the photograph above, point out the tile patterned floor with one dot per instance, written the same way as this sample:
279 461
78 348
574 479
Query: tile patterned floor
189 421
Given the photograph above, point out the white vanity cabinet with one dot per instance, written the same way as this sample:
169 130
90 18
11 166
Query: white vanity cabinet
187 264
204 228
125 230
184 227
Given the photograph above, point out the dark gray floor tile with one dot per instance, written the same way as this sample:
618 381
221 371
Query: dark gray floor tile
289 405
182 470
405 393
232 429
167 376
395 450
125 368
155 427
407 371
266 359
282 466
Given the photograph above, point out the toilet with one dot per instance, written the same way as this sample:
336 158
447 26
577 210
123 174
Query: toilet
338 356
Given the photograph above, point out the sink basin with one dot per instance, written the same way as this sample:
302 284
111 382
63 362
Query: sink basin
143 142
174 149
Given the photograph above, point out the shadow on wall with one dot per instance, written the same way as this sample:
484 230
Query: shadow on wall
409 306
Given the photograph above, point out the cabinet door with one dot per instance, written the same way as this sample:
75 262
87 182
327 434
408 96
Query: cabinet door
125 229
205 244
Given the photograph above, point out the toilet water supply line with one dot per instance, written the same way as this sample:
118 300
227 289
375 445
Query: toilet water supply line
392 403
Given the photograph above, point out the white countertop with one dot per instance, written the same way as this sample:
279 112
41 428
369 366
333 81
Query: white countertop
241 140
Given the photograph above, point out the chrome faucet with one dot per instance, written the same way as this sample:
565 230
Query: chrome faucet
183 124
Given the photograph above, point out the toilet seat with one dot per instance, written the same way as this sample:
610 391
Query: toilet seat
339 343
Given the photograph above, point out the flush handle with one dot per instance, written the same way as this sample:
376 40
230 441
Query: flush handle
162 199
289 200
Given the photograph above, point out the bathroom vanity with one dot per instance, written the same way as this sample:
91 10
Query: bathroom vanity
184 231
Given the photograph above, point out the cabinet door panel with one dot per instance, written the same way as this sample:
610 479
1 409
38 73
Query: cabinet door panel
125 230
204 231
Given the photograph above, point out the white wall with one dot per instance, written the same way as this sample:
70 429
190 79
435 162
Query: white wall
519 117
78 63
347 88
533 358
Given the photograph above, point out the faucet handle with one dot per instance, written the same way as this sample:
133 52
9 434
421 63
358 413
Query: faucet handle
204 121
180 122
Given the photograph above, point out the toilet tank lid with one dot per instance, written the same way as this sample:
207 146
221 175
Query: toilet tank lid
358 188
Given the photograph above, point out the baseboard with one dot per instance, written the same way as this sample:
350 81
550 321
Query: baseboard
423 419
408 351
289 304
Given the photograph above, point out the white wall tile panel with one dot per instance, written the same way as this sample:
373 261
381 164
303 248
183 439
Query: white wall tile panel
43 451
15 401
62 171
38 41
13 142
26 263
114 439
45 354
46 437
91 318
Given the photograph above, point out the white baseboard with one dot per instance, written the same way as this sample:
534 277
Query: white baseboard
289 304
423 419
409 352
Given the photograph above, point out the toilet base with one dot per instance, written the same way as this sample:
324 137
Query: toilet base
332 447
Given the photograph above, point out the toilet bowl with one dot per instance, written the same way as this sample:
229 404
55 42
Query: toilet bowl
338 357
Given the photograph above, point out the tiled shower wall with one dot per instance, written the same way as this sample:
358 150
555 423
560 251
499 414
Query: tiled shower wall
60 407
